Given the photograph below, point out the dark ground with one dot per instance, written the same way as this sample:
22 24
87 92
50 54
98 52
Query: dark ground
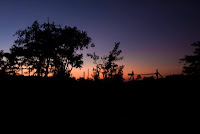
55 100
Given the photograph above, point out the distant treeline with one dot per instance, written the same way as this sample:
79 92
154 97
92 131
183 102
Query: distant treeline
44 49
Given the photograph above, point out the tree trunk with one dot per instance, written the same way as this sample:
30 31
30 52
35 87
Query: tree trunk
47 67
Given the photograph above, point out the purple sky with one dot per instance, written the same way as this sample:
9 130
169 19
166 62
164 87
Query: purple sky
152 34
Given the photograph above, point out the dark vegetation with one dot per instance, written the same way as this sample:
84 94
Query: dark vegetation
44 50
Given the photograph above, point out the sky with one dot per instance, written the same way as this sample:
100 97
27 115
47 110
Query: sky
153 34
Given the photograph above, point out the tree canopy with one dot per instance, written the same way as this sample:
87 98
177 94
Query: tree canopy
48 48
192 62
1 60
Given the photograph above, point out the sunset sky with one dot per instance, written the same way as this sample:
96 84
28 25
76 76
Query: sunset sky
154 34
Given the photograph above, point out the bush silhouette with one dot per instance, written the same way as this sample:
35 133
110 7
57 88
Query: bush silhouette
107 65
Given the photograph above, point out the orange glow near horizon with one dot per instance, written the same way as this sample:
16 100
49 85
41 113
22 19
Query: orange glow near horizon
79 73
137 68
164 71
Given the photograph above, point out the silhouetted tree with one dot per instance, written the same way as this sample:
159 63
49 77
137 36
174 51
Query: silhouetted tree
31 46
72 40
192 62
109 66
1 58
11 63
50 48
8 63
97 69
2 62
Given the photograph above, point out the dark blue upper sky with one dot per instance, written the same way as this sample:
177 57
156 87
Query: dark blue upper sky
153 33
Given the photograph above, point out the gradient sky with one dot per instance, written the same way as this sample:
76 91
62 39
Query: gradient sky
153 33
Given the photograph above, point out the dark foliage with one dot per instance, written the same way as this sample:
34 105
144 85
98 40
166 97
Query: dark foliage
192 62
1 59
47 48
97 69
107 65
110 69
